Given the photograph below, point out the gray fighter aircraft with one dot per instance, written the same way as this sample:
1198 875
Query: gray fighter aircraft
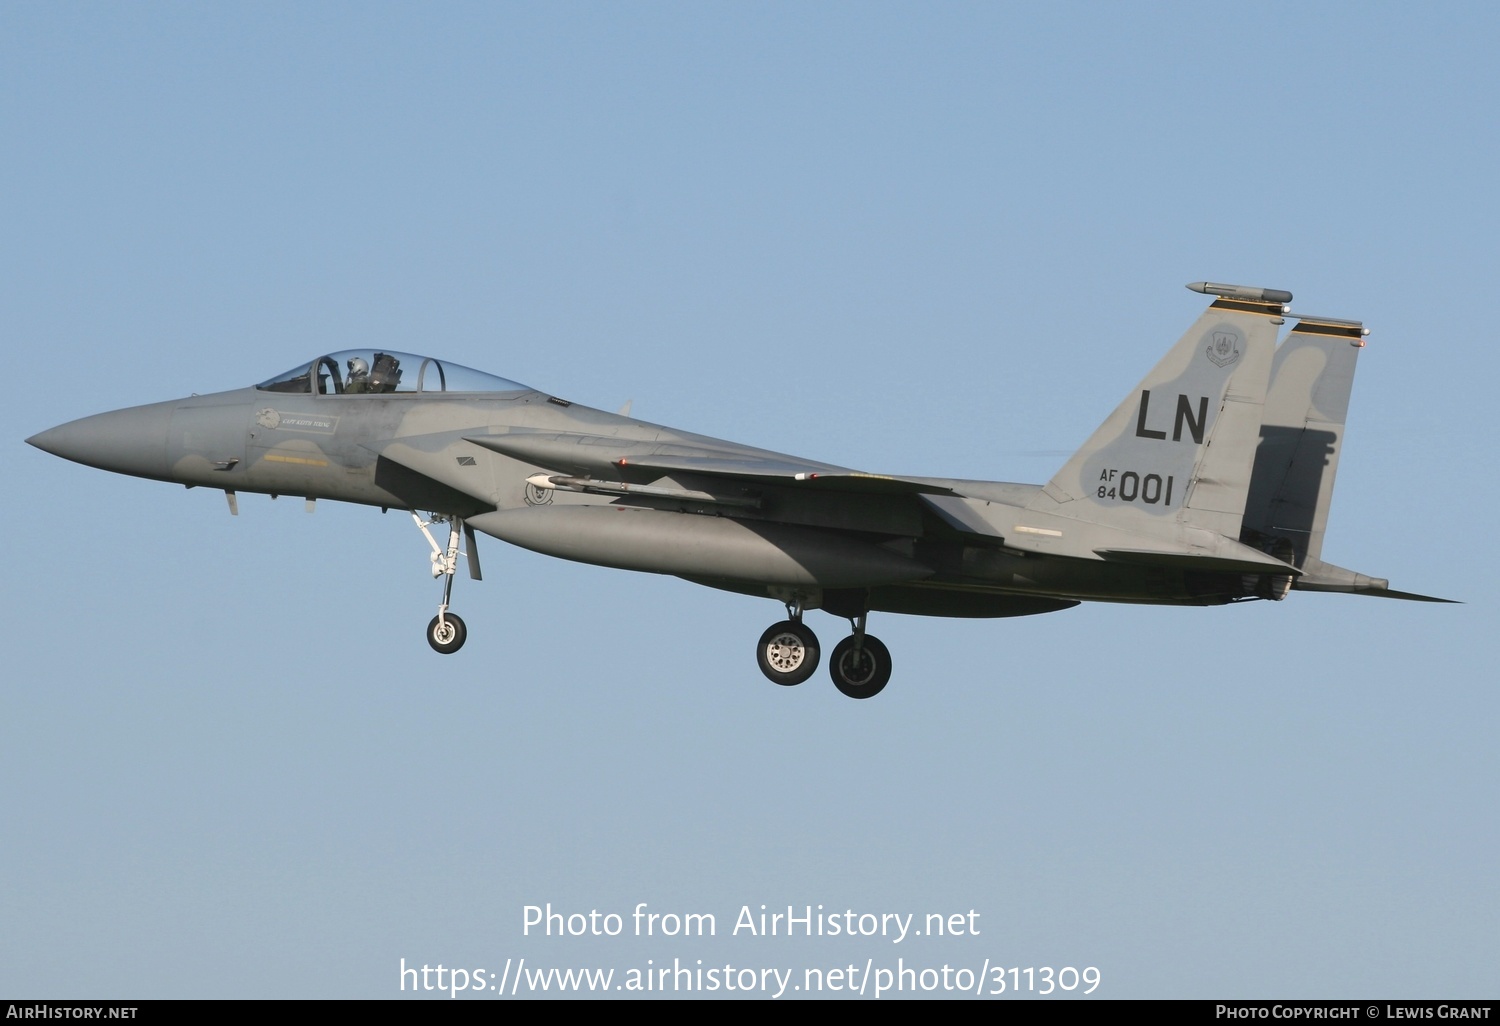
1209 484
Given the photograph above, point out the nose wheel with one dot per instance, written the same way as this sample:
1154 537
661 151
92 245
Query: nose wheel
447 633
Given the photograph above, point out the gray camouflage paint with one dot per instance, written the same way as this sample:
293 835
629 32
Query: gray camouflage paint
1209 483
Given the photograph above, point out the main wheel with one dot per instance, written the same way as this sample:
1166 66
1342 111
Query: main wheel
787 653
862 672
447 633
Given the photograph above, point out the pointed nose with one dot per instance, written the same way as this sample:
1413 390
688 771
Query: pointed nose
131 441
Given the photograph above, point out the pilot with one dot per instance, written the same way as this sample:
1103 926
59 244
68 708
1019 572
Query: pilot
359 376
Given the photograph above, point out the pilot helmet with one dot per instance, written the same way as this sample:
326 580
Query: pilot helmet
357 367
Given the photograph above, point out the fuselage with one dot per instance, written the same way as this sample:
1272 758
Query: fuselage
1210 482
417 450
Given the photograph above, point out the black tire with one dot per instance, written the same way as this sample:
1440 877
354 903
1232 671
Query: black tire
787 653
862 673
447 634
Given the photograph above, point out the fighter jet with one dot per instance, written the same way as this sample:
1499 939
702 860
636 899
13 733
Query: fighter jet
1210 483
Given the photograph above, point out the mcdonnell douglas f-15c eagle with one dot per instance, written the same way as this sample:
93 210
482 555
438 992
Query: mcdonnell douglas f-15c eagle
1210 483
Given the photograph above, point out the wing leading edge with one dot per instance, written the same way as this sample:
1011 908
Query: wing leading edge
595 454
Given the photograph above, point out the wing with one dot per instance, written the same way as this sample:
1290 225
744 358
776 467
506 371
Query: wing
637 461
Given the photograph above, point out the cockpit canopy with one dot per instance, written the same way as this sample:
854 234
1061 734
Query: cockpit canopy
370 372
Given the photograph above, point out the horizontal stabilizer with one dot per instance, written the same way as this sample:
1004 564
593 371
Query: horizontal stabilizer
1251 563
1321 576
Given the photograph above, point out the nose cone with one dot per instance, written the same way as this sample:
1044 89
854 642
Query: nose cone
132 441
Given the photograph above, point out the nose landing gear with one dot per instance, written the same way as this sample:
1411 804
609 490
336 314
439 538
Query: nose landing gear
447 632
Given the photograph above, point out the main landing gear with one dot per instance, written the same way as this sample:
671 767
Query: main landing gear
447 632
788 654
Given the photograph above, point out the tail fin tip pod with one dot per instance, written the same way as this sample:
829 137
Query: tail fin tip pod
1178 451
1244 292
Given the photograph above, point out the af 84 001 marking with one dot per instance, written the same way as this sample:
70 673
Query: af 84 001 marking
1131 485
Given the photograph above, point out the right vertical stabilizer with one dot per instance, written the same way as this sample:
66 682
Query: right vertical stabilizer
1301 435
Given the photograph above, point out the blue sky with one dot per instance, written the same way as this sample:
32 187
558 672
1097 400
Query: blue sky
939 240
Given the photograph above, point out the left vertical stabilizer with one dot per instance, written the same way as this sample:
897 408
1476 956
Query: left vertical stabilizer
1177 452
